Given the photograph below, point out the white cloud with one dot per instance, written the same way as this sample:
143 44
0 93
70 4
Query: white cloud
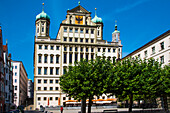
128 7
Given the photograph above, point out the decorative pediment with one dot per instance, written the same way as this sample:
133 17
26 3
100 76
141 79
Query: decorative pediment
79 9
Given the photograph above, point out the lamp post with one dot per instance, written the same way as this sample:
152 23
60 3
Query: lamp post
1 107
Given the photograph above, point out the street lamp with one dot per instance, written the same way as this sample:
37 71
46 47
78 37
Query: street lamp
1 107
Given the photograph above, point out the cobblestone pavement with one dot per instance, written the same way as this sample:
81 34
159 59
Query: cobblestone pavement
93 110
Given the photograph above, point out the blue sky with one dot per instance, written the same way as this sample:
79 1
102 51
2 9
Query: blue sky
139 21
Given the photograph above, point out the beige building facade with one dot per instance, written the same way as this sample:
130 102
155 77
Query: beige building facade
79 37
20 81
158 48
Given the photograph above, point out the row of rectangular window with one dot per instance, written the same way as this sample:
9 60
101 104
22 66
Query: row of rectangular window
50 98
50 88
153 52
51 47
76 49
81 30
15 67
76 57
76 40
46 69
45 81
46 58
81 40
81 57
104 50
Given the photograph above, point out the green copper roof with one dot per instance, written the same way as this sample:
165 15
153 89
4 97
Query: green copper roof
97 19
42 15
116 31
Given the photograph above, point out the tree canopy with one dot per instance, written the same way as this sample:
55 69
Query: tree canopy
86 79
129 79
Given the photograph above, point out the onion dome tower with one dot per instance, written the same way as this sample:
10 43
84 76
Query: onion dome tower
98 21
116 39
116 34
42 24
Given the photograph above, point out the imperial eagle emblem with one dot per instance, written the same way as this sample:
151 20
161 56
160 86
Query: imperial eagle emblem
79 19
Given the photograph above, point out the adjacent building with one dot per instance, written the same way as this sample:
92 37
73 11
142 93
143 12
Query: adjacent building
30 89
2 75
20 82
8 78
158 48
79 37
30 92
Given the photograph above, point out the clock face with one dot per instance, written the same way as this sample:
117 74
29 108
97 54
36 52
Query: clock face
79 20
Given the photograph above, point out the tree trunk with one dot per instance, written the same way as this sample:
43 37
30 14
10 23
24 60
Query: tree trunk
165 103
126 104
139 103
89 105
83 106
131 103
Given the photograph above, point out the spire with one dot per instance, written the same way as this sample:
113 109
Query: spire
95 12
115 25
43 7
79 2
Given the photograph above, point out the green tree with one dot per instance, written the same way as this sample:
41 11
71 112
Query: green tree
155 81
135 79
163 89
124 80
86 79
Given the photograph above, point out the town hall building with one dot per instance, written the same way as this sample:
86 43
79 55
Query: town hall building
79 37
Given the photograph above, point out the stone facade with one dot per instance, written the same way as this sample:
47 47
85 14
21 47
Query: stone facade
20 82
78 37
